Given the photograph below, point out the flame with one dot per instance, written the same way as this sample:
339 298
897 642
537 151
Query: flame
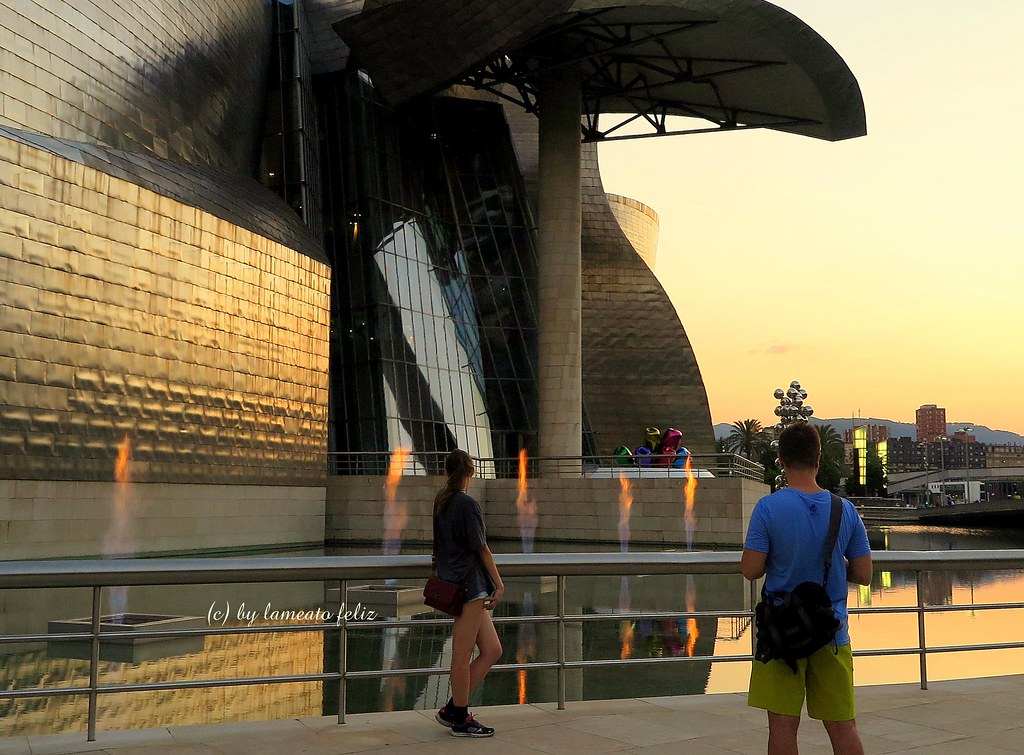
118 539
625 504
690 493
396 469
691 623
526 507
395 514
122 473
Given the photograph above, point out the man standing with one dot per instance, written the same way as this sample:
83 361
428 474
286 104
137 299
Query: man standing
784 544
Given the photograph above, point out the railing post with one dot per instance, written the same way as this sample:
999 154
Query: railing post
561 642
342 651
94 663
921 641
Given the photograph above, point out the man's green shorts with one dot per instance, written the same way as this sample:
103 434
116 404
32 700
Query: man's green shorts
827 677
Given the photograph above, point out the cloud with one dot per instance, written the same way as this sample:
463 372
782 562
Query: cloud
775 348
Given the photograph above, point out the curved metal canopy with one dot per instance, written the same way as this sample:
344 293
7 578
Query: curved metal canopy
735 63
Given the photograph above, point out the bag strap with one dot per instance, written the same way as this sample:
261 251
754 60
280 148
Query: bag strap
433 548
834 520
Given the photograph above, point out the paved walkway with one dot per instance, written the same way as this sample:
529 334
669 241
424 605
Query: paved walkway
968 716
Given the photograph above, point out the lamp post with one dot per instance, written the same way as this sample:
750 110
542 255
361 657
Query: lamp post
927 475
967 462
942 467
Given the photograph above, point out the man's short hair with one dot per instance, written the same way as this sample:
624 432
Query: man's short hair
800 445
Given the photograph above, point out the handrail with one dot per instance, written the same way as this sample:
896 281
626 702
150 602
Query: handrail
423 463
190 571
97 574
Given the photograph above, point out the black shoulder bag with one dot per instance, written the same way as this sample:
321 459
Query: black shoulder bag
793 625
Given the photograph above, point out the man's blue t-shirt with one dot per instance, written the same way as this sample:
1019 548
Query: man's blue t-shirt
790 527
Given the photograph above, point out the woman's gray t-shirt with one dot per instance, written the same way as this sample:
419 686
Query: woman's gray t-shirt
459 535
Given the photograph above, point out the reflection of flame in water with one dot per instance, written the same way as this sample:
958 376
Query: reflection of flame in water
526 507
690 491
626 626
391 652
118 540
521 677
625 504
691 623
395 514
526 648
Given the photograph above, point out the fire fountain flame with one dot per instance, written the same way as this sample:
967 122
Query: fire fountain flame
526 507
690 494
625 504
118 540
395 514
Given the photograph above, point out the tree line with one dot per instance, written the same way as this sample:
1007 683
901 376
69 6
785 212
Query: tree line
750 439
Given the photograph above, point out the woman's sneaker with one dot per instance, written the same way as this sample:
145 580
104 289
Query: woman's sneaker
445 718
471 728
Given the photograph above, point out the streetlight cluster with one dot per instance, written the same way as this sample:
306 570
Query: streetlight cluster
791 409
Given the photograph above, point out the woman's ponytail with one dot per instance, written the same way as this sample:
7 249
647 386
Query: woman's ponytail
458 466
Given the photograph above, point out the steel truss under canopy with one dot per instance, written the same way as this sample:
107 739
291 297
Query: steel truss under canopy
635 74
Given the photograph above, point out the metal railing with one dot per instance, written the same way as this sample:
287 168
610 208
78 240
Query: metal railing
651 465
97 575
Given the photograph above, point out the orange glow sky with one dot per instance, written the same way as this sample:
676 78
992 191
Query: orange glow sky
883 272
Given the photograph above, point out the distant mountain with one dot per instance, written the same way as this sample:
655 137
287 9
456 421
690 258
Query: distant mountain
901 429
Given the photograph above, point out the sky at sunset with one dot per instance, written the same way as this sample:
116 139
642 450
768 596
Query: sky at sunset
883 272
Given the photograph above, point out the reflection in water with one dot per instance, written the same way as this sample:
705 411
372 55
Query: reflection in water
898 589
691 624
526 649
223 656
423 647
626 625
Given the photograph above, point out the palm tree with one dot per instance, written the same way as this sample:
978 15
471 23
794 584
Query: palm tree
831 441
833 458
747 438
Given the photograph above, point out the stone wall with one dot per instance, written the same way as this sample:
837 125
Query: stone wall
568 510
49 519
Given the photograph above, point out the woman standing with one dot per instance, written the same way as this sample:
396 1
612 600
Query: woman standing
462 555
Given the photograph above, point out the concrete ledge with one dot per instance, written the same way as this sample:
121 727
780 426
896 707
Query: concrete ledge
81 519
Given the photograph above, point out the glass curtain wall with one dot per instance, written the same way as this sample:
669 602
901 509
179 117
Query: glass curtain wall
290 160
433 252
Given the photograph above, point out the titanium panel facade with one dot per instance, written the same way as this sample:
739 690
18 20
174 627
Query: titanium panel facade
150 285
639 368
126 312
181 79
640 224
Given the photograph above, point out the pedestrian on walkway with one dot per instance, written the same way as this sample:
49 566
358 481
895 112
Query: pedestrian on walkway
462 556
784 544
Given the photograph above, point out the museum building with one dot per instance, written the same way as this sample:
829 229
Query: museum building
250 233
